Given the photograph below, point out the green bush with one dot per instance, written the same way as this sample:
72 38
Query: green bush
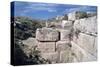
80 14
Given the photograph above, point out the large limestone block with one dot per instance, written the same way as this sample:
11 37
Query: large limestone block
87 42
65 35
51 56
81 55
46 46
87 25
63 45
67 24
47 34
76 15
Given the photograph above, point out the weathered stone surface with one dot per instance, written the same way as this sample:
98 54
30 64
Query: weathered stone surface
96 47
30 42
77 53
29 45
65 34
46 46
47 34
62 45
67 24
87 25
77 15
51 56
87 42
81 55
65 56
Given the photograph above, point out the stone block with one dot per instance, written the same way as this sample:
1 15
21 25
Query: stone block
63 45
65 35
87 42
46 46
81 55
51 56
47 34
87 25
67 24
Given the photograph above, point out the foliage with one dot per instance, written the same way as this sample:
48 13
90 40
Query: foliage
81 14
26 27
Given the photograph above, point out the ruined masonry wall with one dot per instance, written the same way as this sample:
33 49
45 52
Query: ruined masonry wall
76 41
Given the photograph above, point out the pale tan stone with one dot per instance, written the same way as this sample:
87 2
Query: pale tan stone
87 42
47 34
65 35
80 54
87 25
66 24
46 46
51 56
63 45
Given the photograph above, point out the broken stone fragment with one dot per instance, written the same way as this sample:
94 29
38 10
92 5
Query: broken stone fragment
46 46
47 34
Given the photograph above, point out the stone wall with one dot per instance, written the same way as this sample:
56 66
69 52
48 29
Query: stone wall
75 41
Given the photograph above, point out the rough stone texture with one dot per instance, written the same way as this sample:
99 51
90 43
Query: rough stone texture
51 56
30 42
46 46
76 15
81 55
87 25
96 46
65 34
87 42
69 39
28 45
47 34
62 45
67 24
65 56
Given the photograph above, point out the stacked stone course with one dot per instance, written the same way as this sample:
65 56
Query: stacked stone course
76 41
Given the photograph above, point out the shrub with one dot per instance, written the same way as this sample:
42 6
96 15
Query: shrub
80 14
